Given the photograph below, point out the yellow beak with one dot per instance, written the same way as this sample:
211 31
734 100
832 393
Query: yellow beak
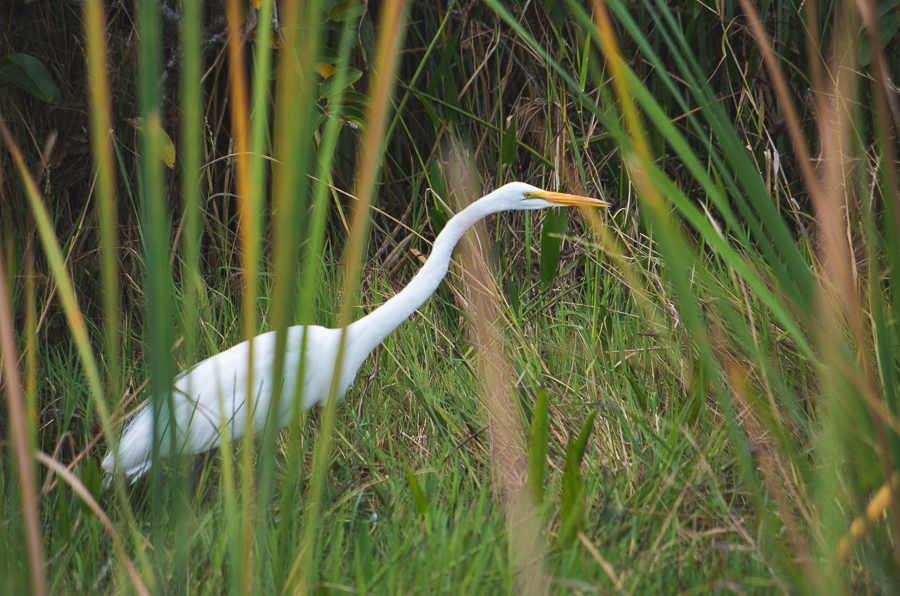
559 198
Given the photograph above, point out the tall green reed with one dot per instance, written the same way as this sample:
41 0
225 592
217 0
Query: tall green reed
816 306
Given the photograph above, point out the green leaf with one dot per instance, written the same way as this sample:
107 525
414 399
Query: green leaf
508 149
363 556
347 10
512 290
555 225
697 393
366 37
28 73
437 415
449 55
537 449
572 499
639 393
417 493
62 507
353 114
356 98
436 182
91 481
338 81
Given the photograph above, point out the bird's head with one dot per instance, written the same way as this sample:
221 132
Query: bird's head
517 196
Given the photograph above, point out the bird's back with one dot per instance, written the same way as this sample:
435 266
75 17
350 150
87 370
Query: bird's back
211 397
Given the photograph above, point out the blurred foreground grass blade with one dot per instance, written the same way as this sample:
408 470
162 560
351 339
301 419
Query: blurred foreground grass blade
191 145
191 159
312 262
15 405
393 17
101 138
294 102
157 282
248 139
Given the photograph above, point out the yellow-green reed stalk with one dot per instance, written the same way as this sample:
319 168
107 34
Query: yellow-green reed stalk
191 133
101 144
393 17
31 398
294 102
157 326
249 178
191 160
296 117
101 130
312 262
293 105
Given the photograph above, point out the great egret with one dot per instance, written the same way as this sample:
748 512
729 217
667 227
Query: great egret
214 391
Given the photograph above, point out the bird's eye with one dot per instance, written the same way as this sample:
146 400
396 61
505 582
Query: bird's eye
529 195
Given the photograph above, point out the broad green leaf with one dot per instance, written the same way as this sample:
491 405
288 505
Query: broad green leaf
508 150
347 10
537 448
28 73
438 416
639 393
572 498
366 37
62 507
417 493
338 81
436 182
356 98
91 481
555 225
515 302
697 393
438 219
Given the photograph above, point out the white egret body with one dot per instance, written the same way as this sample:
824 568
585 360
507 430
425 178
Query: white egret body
215 390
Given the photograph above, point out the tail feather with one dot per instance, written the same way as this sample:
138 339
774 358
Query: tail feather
133 456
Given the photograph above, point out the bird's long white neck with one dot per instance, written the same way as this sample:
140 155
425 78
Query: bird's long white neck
371 330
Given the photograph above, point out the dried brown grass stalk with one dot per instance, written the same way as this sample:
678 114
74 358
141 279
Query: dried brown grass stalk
506 432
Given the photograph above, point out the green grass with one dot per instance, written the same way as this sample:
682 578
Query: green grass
725 335
422 410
